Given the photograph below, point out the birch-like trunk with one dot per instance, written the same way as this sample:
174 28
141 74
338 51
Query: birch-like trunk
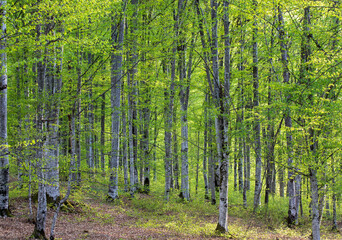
116 75
4 161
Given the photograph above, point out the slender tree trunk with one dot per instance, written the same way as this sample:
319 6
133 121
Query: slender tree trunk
169 98
146 138
72 133
124 143
291 187
116 75
103 117
90 117
175 150
211 160
39 229
334 198
53 88
257 144
222 129
78 118
4 161
205 144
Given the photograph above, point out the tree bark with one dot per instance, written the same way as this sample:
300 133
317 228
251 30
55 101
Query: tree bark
257 144
116 75
4 161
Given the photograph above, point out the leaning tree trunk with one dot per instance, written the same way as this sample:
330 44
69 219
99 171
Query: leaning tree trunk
4 162
116 75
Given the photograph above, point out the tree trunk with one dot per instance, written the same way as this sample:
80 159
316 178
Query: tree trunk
146 138
124 142
116 75
205 144
39 230
175 151
211 160
223 101
103 117
257 144
4 161
53 88
291 187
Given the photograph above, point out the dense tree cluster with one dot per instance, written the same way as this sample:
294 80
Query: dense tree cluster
146 90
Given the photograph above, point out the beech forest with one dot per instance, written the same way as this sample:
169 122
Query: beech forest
174 119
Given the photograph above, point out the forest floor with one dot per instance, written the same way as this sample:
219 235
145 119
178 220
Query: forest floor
89 216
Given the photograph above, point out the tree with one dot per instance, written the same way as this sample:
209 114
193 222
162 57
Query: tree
4 162
116 75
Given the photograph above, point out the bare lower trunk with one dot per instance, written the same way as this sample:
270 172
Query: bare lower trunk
4 161
116 74
102 139
257 144
71 169
314 205
205 167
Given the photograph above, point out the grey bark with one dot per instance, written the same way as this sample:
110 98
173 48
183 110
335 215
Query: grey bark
124 143
4 161
223 96
291 187
211 160
205 144
175 151
257 144
334 199
71 170
305 69
53 88
270 165
78 116
169 98
236 161
146 137
90 118
116 75
39 230
240 114
103 117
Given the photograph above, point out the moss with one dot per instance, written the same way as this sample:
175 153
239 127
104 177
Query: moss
5 213
220 229
38 235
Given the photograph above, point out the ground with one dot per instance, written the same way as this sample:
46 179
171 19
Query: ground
145 217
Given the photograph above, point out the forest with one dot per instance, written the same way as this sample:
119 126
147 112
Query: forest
181 119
